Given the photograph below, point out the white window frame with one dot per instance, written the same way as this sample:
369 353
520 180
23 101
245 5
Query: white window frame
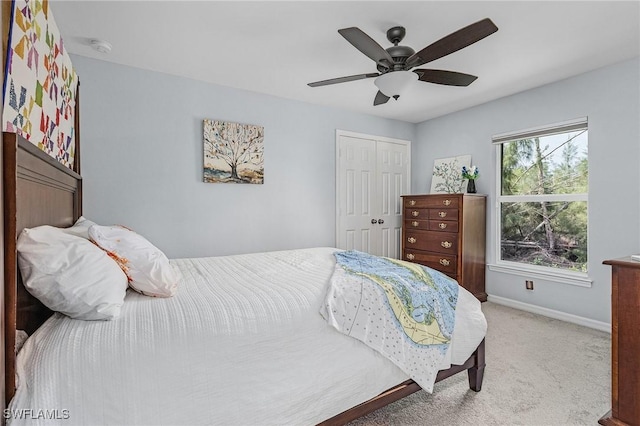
523 269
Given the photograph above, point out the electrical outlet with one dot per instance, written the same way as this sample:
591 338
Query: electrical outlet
528 285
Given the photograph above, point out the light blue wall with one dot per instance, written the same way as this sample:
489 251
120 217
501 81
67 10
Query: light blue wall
610 98
142 159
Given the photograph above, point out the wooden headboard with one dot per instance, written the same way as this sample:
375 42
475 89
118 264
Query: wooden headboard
37 190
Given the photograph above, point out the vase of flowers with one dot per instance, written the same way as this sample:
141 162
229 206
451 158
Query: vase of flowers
471 174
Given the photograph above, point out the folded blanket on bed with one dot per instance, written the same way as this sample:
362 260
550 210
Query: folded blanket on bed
403 310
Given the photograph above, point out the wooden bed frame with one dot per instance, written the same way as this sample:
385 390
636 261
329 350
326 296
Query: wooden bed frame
40 191
37 190
475 370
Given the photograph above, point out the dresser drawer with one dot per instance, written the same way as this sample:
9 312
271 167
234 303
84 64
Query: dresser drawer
452 200
443 225
443 214
439 242
434 214
410 224
415 213
443 263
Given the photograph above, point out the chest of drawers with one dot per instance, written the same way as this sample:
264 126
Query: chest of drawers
447 232
625 344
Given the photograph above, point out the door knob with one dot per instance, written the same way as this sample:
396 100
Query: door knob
380 221
373 221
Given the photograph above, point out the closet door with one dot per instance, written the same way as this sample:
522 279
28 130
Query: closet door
356 192
393 181
371 174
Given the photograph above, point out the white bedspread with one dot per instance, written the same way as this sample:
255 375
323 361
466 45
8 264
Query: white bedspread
241 343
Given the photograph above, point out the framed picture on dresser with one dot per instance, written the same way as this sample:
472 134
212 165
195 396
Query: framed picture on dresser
447 174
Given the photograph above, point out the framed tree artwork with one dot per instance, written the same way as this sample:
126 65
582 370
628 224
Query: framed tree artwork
233 152
447 174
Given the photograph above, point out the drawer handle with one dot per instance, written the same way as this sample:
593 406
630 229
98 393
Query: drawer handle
410 256
444 262
446 202
412 203
442 214
415 213
415 223
446 244
411 240
442 225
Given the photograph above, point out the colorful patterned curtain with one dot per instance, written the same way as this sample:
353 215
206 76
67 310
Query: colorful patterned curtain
40 82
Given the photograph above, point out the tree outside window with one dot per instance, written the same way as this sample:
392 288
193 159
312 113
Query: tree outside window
543 199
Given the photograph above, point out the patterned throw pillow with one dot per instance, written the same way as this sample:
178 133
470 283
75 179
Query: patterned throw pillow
147 268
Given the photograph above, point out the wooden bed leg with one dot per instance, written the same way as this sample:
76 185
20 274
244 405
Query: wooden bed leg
476 373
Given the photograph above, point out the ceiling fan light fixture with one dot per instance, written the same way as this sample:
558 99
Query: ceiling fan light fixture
395 83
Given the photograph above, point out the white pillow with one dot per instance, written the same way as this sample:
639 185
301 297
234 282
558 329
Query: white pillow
80 228
147 268
69 274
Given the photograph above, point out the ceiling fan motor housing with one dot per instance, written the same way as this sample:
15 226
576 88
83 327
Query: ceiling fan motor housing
400 54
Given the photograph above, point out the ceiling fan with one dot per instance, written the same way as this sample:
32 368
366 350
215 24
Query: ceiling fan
395 63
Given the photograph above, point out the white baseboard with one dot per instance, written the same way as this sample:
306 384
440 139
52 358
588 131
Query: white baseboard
563 316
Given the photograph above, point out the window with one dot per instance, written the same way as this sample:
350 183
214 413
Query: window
542 199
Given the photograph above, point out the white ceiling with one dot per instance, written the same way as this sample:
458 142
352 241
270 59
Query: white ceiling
278 47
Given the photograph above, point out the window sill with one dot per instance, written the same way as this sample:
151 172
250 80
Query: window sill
571 278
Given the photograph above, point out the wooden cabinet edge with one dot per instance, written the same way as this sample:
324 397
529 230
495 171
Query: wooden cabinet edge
624 261
481 296
621 303
608 420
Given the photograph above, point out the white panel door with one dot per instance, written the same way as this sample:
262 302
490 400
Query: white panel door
356 188
393 180
371 175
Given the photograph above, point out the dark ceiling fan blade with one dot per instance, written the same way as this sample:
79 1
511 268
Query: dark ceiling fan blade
380 99
361 41
342 79
453 42
449 78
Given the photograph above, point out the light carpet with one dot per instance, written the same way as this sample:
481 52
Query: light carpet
540 371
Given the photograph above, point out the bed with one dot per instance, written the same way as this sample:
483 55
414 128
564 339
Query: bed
275 360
